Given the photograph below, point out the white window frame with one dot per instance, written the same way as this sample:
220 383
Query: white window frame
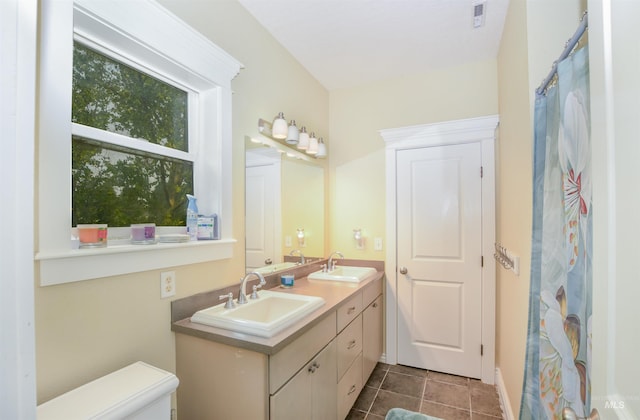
145 33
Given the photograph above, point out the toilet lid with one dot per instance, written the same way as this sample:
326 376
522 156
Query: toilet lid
115 395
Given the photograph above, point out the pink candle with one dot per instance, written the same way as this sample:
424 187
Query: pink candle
92 235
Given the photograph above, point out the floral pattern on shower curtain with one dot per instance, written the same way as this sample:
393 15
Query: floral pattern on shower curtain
558 360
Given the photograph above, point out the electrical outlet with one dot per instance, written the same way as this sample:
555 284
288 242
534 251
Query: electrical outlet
167 284
287 241
377 244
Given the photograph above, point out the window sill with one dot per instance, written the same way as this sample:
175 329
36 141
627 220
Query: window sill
87 264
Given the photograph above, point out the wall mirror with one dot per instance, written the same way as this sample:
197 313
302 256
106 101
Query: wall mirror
284 209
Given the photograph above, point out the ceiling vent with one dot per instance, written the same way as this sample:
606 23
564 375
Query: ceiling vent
479 9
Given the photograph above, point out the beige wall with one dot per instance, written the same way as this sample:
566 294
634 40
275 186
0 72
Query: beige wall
357 159
533 37
87 329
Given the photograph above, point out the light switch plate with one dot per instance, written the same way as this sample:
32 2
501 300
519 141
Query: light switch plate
377 244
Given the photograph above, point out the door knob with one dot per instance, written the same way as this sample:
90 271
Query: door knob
268 261
403 270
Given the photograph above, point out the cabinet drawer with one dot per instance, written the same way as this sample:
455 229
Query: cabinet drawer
349 388
349 345
285 363
349 310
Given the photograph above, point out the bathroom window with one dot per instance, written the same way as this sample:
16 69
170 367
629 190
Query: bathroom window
131 118
130 156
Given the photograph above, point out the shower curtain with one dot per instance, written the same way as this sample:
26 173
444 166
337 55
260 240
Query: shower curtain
558 360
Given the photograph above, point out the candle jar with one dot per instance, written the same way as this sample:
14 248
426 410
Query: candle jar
286 280
143 233
92 235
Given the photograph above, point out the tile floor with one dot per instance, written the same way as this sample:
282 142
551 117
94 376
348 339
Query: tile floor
436 394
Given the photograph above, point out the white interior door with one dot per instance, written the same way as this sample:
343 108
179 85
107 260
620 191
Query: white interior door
439 245
260 216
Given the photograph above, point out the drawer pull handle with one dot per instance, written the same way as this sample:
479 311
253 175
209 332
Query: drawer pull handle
375 304
352 390
351 310
351 345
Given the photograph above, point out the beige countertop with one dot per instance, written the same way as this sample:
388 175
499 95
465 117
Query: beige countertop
334 293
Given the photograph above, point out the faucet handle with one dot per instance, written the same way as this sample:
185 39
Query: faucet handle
229 297
254 294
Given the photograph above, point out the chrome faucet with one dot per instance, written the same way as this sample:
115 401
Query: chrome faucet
299 252
242 296
332 264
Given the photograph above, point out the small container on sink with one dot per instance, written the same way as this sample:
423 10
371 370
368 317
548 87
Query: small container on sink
287 280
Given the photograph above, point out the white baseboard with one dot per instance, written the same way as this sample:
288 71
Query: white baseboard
504 397
383 358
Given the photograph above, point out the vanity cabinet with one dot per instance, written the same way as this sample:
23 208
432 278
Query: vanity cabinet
318 375
222 381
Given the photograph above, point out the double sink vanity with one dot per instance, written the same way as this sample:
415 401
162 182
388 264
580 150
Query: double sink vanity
292 353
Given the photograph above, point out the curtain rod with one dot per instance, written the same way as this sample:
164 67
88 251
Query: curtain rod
568 47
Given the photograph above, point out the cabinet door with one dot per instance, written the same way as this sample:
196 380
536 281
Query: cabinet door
293 400
311 393
371 337
324 385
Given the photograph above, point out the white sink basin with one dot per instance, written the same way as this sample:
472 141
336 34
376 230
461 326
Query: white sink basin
268 269
264 317
344 273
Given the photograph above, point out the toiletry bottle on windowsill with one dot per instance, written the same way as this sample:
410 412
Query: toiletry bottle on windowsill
192 218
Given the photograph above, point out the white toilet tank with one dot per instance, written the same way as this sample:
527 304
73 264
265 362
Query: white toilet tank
138 391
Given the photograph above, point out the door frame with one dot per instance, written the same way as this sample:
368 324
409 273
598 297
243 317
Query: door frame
473 130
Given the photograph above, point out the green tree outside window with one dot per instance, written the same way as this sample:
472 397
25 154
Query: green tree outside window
122 185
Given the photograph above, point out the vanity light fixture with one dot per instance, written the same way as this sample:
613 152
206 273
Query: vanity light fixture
313 145
284 138
279 128
357 235
300 236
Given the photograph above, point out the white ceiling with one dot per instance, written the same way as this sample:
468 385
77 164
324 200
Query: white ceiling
343 43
